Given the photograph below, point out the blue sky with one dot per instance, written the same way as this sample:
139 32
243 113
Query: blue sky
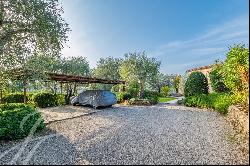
182 34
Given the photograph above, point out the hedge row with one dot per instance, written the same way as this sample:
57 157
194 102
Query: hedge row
150 96
40 99
17 120
217 101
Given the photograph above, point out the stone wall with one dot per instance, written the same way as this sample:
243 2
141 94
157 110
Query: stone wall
238 117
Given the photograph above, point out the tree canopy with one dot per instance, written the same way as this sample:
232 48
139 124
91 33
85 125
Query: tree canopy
29 27
140 68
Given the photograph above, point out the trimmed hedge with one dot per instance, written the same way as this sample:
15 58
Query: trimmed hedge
45 99
11 118
196 84
218 101
13 98
39 99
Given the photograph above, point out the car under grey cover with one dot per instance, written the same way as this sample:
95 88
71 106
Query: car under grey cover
95 98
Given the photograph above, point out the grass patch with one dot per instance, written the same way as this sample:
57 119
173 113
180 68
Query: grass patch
165 99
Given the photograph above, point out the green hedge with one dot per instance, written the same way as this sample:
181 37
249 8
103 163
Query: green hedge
45 99
196 84
11 119
152 96
13 98
39 99
217 101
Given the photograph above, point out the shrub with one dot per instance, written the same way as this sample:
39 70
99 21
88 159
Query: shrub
196 84
217 101
152 96
11 118
165 91
217 79
121 96
146 102
45 99
115 88
236 72
13 98
60 99
134 89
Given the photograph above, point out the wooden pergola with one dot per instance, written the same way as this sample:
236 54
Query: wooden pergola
62 79
65 78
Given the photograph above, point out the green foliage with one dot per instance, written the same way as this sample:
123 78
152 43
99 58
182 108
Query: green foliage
134 89
165 91
235 70
217 101
165 99
41 29
139 68
196 84
176 83
158 81
152 96
11 118
45 99
74 66
146 102
217 79
60 99
115 88
122 96
14 98
107 68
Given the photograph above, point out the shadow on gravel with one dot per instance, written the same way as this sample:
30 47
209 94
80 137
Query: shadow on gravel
45 148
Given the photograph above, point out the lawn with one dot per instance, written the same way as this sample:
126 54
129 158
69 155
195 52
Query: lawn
165 99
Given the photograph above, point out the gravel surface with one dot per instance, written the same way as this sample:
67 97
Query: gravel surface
160 134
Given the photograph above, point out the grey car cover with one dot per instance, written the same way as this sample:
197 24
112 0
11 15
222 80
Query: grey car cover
94 98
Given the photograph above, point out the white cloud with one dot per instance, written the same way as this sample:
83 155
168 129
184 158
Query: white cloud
204 48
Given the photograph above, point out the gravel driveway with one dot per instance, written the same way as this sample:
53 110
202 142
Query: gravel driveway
158 134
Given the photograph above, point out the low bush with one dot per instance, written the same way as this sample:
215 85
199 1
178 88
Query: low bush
60 99
45 99
13 98
13 122
165 91
217 101
122 96
152 96
135 101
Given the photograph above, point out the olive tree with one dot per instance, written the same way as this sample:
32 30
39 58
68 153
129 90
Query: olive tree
140 68
28 28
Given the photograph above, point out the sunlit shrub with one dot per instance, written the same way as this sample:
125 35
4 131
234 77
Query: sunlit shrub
13 115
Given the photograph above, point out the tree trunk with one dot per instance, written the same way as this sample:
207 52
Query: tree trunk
61 88
55 88
25 90
142 90
159 89
176 89
74 91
